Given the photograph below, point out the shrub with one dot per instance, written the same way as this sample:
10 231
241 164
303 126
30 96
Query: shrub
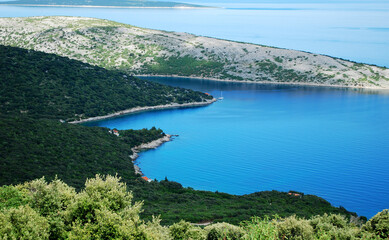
224 231
185 231
11 197
260 229
379 224
154 230
293 228
23 223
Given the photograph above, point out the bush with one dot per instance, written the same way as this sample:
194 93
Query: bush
379 224
185 231
23 223
154 230
293 228
11 197
261 229
224 231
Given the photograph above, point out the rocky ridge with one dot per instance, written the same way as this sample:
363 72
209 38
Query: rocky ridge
142 51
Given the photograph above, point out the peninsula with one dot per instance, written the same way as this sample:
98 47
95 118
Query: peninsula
140 51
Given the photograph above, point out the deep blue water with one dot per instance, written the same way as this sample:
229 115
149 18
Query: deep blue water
356 30
333 143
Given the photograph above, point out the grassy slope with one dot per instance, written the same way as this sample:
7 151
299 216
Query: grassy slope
31 80
119 46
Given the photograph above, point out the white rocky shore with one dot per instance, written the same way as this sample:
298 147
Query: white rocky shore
148 108
145 146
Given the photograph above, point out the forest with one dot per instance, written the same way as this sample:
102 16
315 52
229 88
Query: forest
44 85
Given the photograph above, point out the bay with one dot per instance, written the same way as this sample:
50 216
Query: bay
329 142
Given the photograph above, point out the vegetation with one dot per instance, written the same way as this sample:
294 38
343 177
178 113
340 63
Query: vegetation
30 149
44 85
184 66
104 209
134 50
38 89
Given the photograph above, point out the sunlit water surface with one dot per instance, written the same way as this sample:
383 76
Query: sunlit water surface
333 143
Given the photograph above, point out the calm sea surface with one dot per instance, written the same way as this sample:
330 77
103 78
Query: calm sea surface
354 29
333 143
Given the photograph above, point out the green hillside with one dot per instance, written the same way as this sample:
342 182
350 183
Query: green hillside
44 85
104 210
31 149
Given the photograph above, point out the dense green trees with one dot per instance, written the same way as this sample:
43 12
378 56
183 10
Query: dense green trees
32 148
44 85
104 209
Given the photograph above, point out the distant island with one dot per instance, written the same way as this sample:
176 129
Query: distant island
103 3
141 51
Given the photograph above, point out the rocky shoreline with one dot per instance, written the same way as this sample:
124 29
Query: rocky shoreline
302 84
148 108
145 146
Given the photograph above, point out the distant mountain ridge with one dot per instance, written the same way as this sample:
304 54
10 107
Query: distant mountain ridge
143 51
104 3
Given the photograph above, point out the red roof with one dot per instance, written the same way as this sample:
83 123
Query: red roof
115 130
145 178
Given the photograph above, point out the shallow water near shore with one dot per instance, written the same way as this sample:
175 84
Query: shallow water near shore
329 142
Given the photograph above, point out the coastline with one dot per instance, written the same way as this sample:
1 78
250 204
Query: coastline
92 6
145 146
147 108
264 82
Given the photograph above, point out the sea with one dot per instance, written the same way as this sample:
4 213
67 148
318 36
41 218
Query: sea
330 142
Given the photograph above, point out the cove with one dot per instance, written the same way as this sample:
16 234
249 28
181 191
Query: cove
330 142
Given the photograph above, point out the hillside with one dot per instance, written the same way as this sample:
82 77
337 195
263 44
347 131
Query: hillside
38 89
103 3
144 51
31 149
104 210
44 85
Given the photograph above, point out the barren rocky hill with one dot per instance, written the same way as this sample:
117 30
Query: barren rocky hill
144 51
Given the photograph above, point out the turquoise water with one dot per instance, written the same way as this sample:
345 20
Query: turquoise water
333 143
355 30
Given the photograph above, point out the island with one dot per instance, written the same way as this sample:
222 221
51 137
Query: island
141 51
